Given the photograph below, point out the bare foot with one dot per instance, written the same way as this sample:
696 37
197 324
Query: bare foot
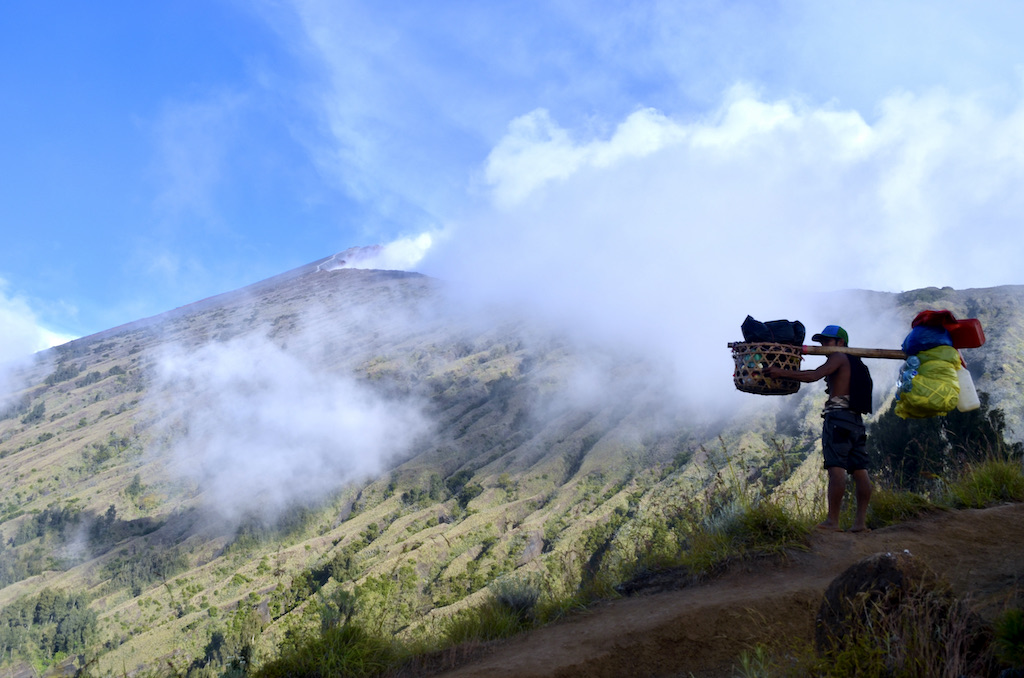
860 529
829 527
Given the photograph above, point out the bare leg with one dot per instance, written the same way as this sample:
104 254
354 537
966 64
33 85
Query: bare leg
836 489
863 483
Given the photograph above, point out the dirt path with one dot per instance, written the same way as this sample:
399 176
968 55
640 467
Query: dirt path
701 630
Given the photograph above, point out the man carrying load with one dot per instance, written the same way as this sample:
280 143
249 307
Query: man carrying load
843 436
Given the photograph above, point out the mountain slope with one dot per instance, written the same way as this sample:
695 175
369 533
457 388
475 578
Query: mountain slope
210 467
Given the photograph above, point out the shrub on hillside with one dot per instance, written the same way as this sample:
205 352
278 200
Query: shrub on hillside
346 650
510 609
911 454
387 603
1009 637
988 483
138 570
54 623
63 372
16 408
53 520
489 621
35 414
88 379
517 594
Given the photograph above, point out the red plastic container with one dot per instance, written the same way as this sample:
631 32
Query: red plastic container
966 333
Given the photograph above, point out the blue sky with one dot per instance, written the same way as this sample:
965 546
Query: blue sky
572 156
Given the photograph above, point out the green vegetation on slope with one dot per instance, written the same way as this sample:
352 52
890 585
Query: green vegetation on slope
524 504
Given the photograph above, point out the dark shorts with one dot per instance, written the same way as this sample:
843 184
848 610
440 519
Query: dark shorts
844 440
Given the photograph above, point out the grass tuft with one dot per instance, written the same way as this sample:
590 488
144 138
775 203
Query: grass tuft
489 621
747 528
988 483
889 507
518 594
510 609
338 651
1009 637
767 527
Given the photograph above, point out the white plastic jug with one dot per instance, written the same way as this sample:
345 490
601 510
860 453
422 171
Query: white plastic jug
968 399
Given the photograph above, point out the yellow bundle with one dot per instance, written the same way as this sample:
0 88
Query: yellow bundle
934 387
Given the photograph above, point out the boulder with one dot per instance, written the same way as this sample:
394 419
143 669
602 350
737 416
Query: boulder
892 602
879 579
534 547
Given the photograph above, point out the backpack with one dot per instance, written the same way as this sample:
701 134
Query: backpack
860 386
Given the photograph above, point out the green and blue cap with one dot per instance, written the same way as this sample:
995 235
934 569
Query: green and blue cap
832 332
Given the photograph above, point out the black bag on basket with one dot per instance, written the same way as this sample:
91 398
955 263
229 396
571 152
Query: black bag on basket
755 331
786 332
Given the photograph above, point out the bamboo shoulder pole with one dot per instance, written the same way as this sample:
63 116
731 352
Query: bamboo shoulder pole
892 354
859 352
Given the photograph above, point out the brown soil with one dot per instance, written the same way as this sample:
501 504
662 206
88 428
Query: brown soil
700 630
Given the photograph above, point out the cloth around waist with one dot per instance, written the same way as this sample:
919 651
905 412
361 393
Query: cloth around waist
843 415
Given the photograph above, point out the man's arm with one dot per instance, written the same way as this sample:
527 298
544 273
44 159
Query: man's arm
834 362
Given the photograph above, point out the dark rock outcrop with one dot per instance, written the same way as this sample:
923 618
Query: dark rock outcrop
892 600
878 580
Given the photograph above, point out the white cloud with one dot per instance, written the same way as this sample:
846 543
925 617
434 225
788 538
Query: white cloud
23 334
665 233
260 430
403 254
903 197
51 338
22 337
536 150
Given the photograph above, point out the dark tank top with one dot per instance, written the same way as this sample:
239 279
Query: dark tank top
861 385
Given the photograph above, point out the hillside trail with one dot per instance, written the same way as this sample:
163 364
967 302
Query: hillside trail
702 629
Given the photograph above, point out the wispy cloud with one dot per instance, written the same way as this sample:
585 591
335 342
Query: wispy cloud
22 336
193 141
260 430
411 98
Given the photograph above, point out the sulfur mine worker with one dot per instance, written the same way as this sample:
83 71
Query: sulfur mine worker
843 436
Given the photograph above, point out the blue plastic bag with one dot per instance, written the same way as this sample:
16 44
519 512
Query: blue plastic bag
922 338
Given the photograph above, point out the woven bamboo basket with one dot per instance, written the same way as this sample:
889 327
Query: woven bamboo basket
752 358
